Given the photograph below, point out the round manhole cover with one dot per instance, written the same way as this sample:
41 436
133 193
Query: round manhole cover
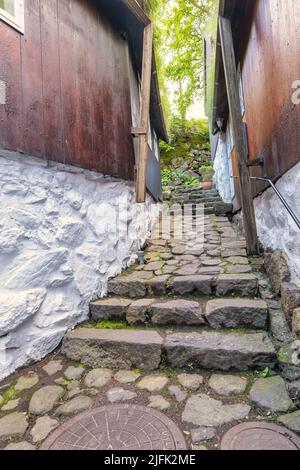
260 436
117 427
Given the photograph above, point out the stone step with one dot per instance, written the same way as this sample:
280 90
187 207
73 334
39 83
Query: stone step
220 351
116 349
148 350
223 285
216 314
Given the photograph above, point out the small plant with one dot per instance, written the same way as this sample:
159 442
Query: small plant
263 373
165 147
206 147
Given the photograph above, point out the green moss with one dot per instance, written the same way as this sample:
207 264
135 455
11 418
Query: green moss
8 395
112 325
285 355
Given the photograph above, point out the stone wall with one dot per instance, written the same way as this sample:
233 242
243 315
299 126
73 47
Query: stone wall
276 228
63 233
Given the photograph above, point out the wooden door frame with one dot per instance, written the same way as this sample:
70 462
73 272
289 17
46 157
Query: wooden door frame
239 137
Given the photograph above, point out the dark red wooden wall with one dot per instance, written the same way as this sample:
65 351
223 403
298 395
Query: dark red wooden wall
271 64
68 91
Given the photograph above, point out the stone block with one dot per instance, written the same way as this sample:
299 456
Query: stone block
118 349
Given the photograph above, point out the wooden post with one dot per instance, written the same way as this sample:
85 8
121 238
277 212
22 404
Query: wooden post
144 114
233 95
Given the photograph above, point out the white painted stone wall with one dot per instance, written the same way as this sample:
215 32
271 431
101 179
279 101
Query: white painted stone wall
276 228
59 245
222 169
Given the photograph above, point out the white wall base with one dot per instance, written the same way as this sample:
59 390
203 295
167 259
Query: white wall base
223 169
59 245
275 226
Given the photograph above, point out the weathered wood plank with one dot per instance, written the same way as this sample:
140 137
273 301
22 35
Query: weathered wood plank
144 118
232 86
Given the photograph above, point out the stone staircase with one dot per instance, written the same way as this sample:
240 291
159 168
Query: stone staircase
213 204
191 306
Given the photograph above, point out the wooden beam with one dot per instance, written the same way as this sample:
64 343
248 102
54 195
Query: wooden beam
144 114
232 86
137 11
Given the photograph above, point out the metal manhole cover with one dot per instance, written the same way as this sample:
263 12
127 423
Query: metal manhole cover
117 427
260 436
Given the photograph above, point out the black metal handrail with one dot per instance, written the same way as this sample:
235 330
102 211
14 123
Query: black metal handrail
278 193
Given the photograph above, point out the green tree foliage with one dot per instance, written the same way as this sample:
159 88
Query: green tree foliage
179 37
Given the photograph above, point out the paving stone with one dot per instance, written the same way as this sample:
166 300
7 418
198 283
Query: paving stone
190 381
228 384
117 395
291 421
294 389
20 446
153 383
156 266
127 376
11 405
73 385
138 311
188 270
188 284
169 269
74 393
43 427
238 260
74 373
211 262
199 448
122 349
214 253
244 285
220 351
203 434
158 285
173 262
109 309
127 286
13 425
203 410
176 392
177 312
44 399
233 244
53 367
26 382
211 270
178 250
239 269
74 406
98 378
271 394
158 402
237 313
60 381
229 252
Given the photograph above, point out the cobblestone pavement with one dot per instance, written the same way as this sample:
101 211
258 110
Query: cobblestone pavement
187 285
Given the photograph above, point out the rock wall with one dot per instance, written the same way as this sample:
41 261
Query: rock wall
276 228
63 233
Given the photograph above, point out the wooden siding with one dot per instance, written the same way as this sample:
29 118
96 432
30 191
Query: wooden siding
270 66
68 90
